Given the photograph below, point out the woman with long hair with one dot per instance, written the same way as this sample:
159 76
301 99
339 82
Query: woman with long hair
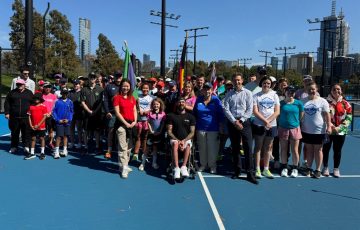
126 114
341 116
189 96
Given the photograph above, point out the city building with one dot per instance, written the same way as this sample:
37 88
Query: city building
343 68
356 57
334 37
146 58
230 63
301 63
274 62
84 38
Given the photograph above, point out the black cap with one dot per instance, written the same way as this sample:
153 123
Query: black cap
261 70
291 88
208 85
92 75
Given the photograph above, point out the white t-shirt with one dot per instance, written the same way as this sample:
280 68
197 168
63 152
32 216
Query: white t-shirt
266 103
144 104
313 122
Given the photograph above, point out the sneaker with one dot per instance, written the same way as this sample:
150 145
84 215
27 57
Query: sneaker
201 169
294 173
12 150
184 171
56 155
317 174
42 156
64 153
108 155
258 174
308 172
141 167
29 156
155 165
284 172
177 173
213 170
267 174
128 169
124 173
325 171
305 165
336 173
135 157
251 178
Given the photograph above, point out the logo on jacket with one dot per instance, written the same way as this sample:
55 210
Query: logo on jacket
267 103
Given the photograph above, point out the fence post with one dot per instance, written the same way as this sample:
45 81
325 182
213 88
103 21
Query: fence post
352 113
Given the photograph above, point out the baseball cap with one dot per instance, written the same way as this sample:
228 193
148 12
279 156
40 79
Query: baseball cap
118 74
138 79
161 84
92 75
273 79
207 85
307 78
64 90
81 77
41 82
76 81
172 83
167 79
58 75
47 84
228 82
290 88
20 81
63 81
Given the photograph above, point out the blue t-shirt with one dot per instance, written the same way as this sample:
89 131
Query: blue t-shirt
208 116
290 114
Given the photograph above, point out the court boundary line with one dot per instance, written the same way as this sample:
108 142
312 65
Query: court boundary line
211 202
300 176
6 135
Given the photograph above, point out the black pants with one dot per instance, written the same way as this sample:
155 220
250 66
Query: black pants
246 136
337 141
16 125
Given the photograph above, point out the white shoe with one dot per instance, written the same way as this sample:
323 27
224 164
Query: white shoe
184 171
177 173
141 167
56 155
128 169
124 173
64 153
213 170
284 172
294 173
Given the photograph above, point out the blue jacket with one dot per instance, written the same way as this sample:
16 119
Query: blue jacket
63 110
208 116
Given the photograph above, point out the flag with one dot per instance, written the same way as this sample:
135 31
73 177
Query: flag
213 78
129 71
182 65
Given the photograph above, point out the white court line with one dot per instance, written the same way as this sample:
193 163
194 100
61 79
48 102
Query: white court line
5 135
211 202
342 176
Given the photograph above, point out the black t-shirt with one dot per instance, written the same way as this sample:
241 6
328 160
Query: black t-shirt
181 124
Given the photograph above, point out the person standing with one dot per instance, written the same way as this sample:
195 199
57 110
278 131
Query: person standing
125 111
315 124
29 84
209 115
238 108
49 102
17 103
341 117
78 117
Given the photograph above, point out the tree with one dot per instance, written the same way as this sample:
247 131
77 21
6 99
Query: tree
61 53
107 59
17 36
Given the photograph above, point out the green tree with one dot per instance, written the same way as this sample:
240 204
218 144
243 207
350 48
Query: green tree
107 59
61 53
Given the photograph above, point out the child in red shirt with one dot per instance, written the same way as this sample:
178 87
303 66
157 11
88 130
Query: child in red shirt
37 115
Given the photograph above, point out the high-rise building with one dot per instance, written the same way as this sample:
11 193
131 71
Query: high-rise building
84 38
274 61
146 58
334 36
343 68
302 63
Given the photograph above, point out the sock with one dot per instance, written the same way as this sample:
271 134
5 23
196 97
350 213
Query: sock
27 149
56 149
42 149
266 168
32 151
257 168
65 148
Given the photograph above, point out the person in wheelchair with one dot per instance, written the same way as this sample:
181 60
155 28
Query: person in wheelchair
180 129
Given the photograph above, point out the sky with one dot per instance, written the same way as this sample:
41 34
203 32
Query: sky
237 28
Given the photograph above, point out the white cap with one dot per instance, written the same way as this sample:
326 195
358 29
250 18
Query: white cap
167 79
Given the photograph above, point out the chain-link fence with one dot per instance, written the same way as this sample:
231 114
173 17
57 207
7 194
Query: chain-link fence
355 124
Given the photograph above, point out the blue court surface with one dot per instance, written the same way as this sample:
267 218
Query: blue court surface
86 192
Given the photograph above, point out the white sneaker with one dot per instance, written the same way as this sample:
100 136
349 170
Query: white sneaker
128 169
141 167
124 173
284 172
294 173
177 173
184 171
64 153
213 170
56 155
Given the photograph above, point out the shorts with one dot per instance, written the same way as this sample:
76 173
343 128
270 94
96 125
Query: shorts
154 139
313 139
38 133
62 130
50 123
188 142
294 134
261 131
142 125
110 122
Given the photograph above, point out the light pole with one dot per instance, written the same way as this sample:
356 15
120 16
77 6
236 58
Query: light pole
186 57
195 36
29 31
245 62
163 16
266 55
44 40
285 54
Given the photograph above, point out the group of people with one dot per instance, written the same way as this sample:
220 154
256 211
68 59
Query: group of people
278 117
